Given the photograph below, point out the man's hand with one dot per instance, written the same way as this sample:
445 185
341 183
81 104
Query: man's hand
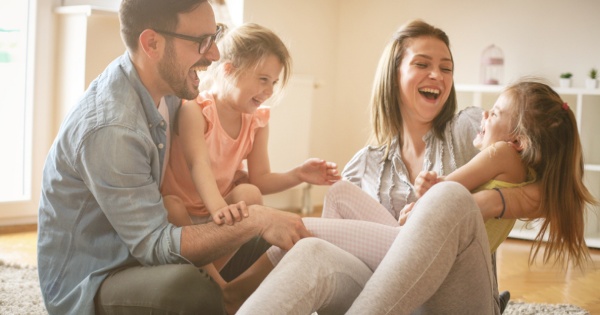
280 228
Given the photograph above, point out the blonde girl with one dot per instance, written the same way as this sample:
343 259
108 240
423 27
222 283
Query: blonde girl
530 128
227 125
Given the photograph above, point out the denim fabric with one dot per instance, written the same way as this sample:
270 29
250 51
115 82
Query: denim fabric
100 207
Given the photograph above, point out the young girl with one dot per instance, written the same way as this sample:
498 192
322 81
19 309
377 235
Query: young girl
530 128
226 125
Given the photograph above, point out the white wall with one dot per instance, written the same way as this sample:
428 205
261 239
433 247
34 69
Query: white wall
340 42
538 37
310 29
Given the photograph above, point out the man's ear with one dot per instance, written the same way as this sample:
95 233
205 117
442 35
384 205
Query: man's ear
151 43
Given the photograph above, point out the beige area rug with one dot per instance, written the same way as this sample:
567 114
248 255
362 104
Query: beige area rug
20 294
20 290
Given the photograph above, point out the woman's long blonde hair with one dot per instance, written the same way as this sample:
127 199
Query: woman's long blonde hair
547 130
385 97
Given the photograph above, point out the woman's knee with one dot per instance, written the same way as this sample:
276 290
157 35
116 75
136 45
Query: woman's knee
447 197
338 190
340 187
451 190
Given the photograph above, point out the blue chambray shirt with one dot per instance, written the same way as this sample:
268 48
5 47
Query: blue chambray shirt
101 207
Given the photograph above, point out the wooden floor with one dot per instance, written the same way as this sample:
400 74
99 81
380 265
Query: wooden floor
536 283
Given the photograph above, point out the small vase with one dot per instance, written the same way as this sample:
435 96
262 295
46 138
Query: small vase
591 83
565 83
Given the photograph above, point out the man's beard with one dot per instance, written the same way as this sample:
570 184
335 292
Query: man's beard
167 69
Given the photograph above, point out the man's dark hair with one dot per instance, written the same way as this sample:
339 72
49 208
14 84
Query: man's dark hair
138 15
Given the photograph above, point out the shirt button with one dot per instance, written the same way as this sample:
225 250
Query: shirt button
149 125
161 146
162 123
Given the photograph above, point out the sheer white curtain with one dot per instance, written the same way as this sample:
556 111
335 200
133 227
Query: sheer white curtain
15 158
26 109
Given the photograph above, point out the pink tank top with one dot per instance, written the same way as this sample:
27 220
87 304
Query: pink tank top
226 155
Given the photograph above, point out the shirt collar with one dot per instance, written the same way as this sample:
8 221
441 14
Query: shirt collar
150 109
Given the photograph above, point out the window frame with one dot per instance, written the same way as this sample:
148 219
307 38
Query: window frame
38 111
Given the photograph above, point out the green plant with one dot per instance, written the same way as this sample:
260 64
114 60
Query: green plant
593 73
566 75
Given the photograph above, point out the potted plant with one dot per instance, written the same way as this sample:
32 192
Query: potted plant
565 79
592 82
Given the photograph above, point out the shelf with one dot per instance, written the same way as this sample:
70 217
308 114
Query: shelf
479 88
498 88
592 167
86 10
576 91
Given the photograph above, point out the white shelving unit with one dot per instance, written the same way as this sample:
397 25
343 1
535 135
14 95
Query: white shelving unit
586 105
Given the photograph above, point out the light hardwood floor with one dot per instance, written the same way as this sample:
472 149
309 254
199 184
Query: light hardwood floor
536 283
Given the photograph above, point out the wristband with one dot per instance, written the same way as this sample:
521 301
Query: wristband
503 203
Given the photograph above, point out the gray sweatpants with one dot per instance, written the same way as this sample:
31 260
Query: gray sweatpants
438 264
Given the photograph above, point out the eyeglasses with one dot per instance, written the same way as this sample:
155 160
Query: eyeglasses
204 42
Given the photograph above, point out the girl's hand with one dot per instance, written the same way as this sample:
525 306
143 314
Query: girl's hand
404 213
319 172
231 213
424 181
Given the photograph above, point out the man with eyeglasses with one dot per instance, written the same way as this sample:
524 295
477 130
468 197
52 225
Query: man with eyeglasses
105 245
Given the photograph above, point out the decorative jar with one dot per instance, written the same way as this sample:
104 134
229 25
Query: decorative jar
492 65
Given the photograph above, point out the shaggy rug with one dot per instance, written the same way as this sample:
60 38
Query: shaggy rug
20 294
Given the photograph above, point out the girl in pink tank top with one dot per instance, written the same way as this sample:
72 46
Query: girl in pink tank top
226 125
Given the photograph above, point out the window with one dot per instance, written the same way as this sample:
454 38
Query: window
15 159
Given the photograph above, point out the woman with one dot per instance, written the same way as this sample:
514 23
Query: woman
439 261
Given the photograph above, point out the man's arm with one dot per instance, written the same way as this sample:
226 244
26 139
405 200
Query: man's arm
202 244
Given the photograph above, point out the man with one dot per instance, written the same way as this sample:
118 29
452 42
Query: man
105 245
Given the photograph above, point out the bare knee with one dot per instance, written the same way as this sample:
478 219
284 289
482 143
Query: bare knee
176 212
247 193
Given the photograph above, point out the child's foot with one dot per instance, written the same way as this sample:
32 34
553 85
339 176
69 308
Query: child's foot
233 301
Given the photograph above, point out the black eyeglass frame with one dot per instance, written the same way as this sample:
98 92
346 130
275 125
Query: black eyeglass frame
199 40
